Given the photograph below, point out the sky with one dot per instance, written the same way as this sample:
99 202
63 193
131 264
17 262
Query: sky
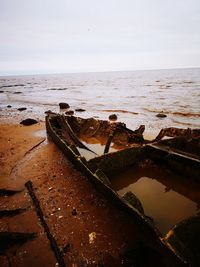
49 36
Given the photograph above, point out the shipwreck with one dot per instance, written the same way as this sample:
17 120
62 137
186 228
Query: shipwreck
129 148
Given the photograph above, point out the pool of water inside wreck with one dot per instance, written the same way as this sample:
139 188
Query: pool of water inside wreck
97 148
167 198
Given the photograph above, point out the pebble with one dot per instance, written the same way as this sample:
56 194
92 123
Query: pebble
74 212
28 122
92 237
113 117
161 115
21 109
63 105
79 109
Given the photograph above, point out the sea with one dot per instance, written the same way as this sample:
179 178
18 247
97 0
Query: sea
136 97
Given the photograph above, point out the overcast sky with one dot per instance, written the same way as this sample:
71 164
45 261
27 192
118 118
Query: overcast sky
49 36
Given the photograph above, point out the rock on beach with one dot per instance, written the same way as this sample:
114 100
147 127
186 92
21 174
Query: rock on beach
79 109
21 109
113 117
28 122
161 115
63 105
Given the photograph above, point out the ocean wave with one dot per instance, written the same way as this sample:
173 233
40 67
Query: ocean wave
186 114
163 86
178 113
56 89
120 111
184 123
153 110
188 82
34 103
11 85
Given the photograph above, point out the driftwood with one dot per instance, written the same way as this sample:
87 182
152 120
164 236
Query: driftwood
54 246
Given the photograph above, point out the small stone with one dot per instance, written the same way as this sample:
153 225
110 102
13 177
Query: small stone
74 212
21 109
113 117
64 105
1 91
28 122
92 237
9 106
161 115
54 210
79 109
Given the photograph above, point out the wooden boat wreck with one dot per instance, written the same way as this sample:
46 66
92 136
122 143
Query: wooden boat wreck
179 153
130 148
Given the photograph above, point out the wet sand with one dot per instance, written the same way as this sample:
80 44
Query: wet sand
89 229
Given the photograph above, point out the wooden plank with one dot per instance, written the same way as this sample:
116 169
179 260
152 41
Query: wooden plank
53 243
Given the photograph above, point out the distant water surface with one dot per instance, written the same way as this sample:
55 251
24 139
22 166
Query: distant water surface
135 96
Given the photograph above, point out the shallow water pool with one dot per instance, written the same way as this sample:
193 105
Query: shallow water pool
165 197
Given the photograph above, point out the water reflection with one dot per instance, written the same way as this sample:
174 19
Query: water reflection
167 198
94 145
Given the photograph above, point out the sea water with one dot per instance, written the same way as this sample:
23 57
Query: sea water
134 96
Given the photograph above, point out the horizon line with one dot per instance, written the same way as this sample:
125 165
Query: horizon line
103 71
